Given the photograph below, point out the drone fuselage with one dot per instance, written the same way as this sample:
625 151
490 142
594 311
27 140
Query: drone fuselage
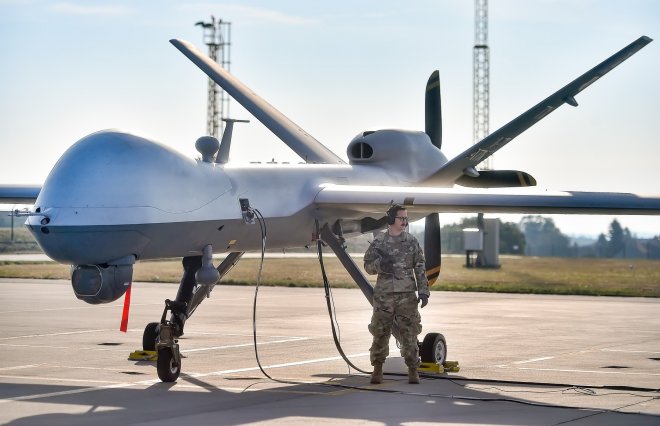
114 194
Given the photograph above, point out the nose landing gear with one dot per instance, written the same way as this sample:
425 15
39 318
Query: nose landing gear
167 346
163 336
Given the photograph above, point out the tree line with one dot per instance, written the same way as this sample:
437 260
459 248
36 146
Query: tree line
539 236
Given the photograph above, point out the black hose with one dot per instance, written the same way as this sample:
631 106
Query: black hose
328 299
262 226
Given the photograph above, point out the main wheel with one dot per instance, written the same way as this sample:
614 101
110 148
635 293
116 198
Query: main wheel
434 348
168 368
149 336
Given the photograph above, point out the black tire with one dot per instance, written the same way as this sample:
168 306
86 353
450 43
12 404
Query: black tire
150 335
168 368
433 348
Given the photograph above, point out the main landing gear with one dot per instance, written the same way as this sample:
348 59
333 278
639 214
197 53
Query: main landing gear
433 348
163 336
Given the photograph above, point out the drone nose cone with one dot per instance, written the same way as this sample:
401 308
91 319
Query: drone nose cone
108 188
112 169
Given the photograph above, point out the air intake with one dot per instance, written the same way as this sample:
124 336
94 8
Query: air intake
361 151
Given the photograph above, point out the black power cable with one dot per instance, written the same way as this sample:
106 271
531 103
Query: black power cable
262 226
328 300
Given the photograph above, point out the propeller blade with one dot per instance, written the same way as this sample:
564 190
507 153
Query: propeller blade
432 110
432 247
433 128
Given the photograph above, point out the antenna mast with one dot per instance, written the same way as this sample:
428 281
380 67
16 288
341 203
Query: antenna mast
481 76
217 36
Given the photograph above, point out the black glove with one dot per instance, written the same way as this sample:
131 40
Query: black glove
424 299
386 262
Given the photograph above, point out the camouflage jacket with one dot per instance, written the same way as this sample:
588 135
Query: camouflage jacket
409 269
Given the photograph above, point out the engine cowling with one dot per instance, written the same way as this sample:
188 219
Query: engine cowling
408 154
96 284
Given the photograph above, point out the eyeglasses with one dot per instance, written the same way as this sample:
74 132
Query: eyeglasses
402 218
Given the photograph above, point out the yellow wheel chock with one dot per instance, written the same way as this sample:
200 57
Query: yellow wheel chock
446 367
143 356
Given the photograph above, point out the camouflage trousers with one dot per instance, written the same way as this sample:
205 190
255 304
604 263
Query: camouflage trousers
401 307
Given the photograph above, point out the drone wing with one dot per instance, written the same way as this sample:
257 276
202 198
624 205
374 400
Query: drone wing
19 194
424 200
478 152
301 142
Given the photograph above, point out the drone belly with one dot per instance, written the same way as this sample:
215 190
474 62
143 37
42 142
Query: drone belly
87 236
139 231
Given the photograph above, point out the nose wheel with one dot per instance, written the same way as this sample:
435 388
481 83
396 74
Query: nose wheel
168 366
166 343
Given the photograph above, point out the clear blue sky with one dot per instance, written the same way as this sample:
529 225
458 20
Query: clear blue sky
337 68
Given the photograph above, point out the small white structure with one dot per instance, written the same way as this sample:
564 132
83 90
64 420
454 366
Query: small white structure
473 242
482 248
473 239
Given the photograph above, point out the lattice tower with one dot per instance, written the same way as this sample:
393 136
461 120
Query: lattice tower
217 36
481 76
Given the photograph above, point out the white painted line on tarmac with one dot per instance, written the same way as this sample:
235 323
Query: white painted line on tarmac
534 360
630 352
562 370
211 333
57 379
124 349
67 392
288 364
152 381
64 333
20 367
242 345
76 348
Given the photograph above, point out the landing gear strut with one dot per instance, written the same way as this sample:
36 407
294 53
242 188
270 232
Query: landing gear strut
163 336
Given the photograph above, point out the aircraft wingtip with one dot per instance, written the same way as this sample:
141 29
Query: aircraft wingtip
180 42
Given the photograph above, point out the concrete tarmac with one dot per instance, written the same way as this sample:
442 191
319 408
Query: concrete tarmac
525 360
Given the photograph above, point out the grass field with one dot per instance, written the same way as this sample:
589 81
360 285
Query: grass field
22 242
602 277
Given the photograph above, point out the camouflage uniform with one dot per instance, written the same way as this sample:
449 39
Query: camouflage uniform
394 295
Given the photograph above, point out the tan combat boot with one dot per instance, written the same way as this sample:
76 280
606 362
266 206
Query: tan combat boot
413 377
377 375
